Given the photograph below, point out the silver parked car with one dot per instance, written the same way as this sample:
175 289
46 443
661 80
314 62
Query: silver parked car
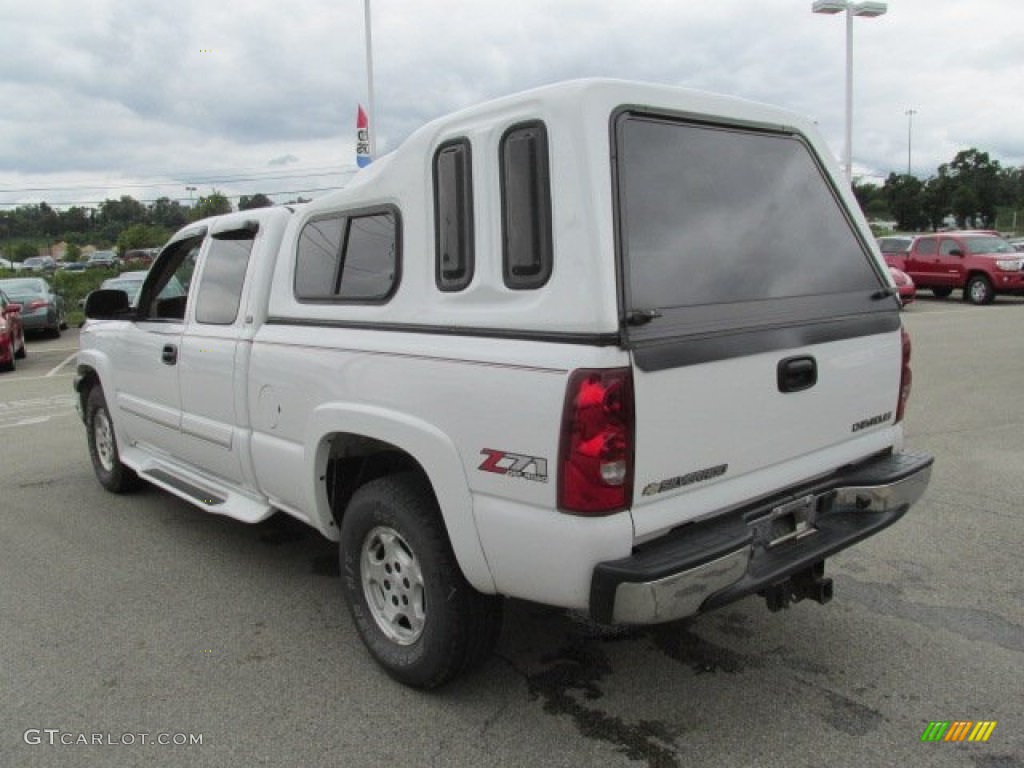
42 309
131 283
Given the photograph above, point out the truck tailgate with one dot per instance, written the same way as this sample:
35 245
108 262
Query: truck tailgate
763 421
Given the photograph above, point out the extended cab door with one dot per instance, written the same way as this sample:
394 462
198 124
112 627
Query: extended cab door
146 387
213 360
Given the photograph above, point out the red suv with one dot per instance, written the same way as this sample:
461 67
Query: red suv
982 265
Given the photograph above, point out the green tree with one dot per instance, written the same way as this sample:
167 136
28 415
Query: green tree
21 251
168 213
904 195
213 204
935 201
115 215
872 200
259 200
141 236
975 181
965 206
73 252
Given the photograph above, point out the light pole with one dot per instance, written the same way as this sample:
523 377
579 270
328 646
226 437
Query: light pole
910 128
369 80
190 190
867 10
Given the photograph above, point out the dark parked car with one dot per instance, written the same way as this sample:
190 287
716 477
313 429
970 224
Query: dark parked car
102 259
41 308
39 264
12 333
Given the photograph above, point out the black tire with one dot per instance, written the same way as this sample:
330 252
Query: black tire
11 355
979 290
414 610
106 462
942 293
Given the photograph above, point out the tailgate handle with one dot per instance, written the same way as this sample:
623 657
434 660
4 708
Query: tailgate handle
796 374
169 354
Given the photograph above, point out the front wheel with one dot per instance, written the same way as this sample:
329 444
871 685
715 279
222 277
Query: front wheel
979 290
106 463
414 610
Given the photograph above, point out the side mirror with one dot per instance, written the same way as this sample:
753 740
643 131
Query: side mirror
107 304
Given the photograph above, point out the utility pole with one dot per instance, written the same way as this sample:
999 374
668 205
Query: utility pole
369 81
910 127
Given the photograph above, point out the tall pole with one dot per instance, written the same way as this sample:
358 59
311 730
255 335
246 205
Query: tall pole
369 81
910 128
848 150
868 9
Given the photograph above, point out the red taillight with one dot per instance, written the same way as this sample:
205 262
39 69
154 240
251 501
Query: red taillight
905 376
595 458
38 304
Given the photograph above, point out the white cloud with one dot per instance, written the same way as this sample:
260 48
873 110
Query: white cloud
150 90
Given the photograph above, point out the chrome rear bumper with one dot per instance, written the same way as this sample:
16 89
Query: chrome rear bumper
708 564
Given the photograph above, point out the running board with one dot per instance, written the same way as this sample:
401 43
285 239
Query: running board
181 486
201 490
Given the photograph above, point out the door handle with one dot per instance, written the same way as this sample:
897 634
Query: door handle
796 374
169 354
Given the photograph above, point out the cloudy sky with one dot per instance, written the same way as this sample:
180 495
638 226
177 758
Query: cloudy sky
101 98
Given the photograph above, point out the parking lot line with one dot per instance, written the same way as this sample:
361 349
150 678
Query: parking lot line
55 371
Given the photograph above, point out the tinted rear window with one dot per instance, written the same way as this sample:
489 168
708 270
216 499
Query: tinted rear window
349 257
727 215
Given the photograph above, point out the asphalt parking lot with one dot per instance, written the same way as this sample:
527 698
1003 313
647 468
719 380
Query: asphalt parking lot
140 620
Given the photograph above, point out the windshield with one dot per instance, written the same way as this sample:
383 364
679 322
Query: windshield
982 244
894 244
23 286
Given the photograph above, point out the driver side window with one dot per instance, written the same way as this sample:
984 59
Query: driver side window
165 293
947 247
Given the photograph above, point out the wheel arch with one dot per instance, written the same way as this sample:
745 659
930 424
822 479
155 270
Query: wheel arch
93 369
365 442
86 377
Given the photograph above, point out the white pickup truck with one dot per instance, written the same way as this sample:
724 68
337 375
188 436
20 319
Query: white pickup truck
625 349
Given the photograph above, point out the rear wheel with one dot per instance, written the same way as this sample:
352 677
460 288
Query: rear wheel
942 293
414 610
106 463
9 365
979 290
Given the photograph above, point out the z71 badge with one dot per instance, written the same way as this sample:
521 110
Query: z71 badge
515 465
